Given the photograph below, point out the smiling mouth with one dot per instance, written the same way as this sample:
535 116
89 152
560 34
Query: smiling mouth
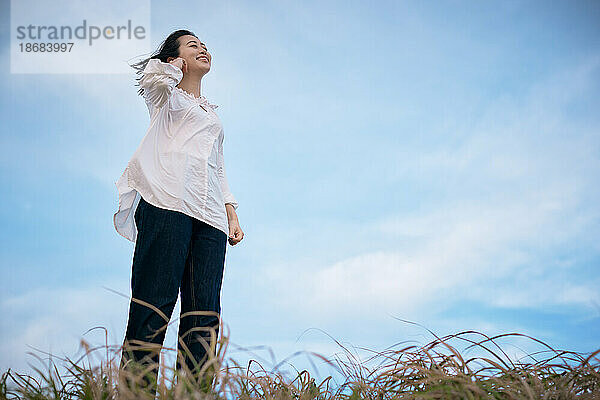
202 58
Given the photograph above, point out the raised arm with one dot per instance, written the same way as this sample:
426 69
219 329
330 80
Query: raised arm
159 80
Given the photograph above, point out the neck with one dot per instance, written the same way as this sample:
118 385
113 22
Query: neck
191 84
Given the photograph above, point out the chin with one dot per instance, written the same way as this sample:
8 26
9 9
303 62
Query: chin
201 68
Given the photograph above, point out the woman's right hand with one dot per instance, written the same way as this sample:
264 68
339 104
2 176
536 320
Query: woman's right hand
179 63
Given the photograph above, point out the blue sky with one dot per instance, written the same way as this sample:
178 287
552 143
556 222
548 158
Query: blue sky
431 161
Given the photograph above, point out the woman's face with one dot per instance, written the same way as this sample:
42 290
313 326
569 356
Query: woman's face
195 54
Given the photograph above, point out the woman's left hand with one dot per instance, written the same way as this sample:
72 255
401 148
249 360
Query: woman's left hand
235 232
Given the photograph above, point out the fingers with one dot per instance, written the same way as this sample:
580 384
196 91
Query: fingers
236 237
231 239
183 66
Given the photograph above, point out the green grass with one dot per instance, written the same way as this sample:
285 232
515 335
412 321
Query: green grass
436 370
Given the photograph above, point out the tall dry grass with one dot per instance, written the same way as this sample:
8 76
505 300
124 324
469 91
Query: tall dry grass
436 370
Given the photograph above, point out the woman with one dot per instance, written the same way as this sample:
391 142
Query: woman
175 204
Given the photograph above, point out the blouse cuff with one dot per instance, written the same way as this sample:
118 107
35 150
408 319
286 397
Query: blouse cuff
155 66
233 203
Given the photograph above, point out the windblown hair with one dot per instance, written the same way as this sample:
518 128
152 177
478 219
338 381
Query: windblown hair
168 48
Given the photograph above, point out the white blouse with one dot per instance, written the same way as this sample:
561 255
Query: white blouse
179 164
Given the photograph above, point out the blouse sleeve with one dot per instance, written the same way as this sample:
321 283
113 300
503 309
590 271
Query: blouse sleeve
227 195
158 81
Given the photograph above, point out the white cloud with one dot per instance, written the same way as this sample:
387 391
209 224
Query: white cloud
55 320
525 187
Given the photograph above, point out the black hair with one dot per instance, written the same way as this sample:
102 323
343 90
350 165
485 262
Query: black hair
168 48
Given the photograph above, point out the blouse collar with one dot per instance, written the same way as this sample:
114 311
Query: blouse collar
202 100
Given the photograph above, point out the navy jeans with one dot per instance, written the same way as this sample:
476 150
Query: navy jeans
174 252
